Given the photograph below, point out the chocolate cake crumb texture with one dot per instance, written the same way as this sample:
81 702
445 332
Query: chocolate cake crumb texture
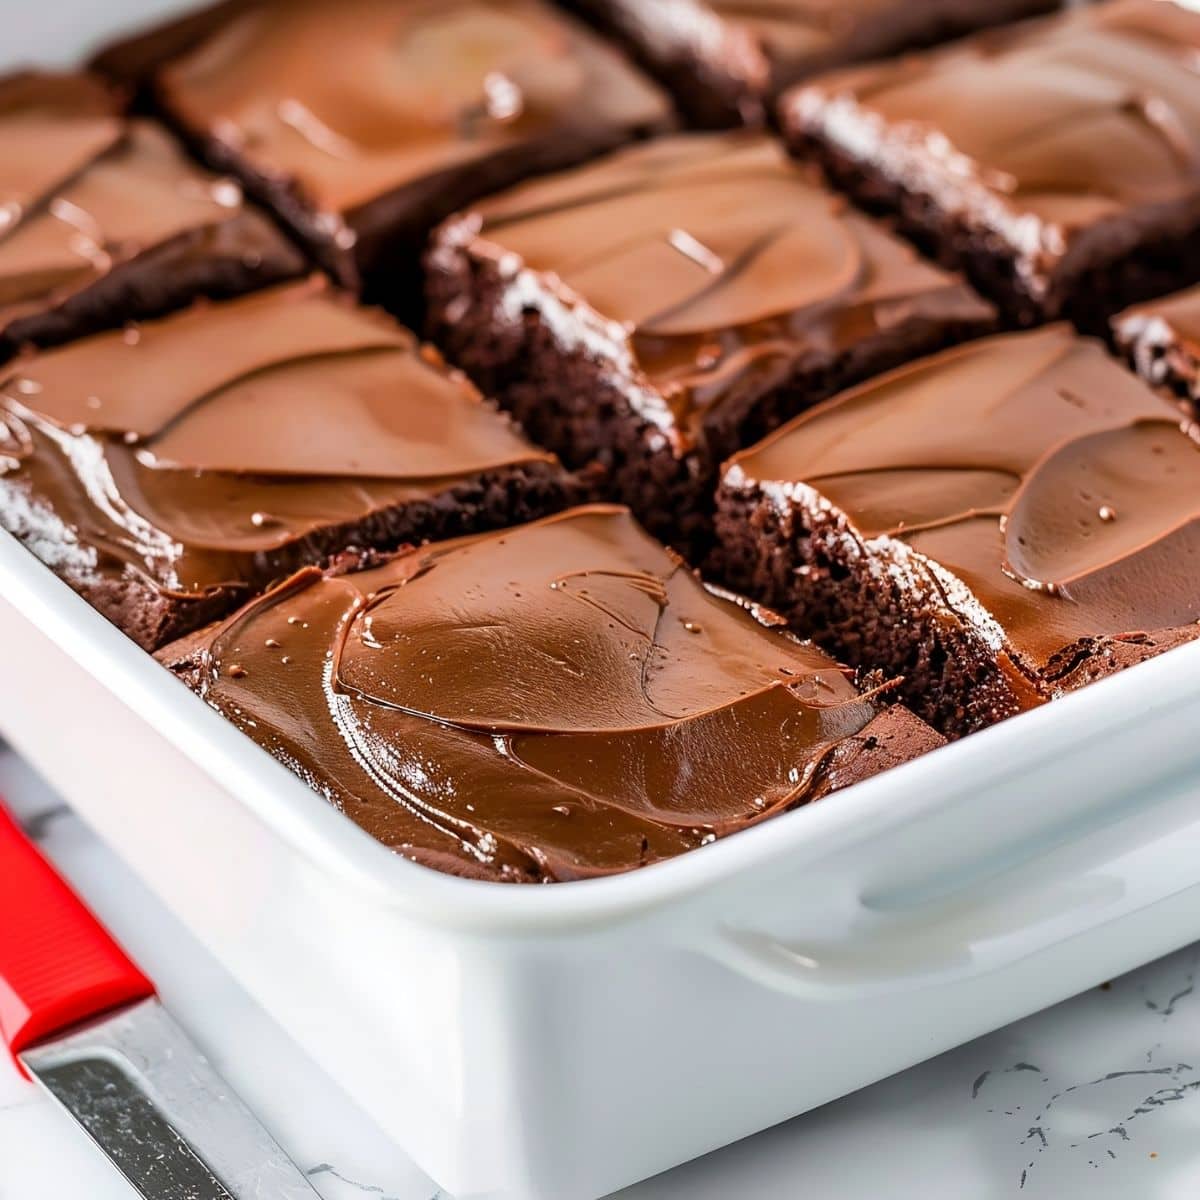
661 308
994 524
168 474
1056 161
104 220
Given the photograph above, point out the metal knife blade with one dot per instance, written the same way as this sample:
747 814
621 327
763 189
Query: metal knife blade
165 1119
82 1019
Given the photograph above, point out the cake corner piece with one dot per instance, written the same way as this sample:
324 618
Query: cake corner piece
660 308
995 525
1056 194
552 702
112 222
362 125
285 428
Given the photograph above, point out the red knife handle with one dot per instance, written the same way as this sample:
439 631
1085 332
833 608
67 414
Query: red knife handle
58 965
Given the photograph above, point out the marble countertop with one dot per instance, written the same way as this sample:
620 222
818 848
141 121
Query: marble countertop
1098 1096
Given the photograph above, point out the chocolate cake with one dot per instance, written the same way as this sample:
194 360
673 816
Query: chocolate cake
1162 339
104 220
552 702
364 123
996 524
1055 161
658 309
169 470
726 61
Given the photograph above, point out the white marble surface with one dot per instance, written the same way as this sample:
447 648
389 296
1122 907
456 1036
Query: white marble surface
1099 1096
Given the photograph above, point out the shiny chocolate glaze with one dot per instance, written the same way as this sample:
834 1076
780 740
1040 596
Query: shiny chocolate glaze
230 443
84 193
560 700
714 269
369 120
1072 139
1059 491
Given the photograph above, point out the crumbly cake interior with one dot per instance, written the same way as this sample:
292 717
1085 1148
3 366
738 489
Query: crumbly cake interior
881 612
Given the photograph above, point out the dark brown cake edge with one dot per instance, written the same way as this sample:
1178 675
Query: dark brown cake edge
1090 659
891 738
502 324
1158 355
873 610
1087 294
153 615
216 262
888 612
720 89
562 396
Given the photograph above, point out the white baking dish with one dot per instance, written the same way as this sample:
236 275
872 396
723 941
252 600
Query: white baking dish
558 1043
555 1043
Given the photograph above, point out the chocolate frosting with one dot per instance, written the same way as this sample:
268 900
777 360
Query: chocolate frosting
343 104
1055 485
84 191
1071 122
201 450
560 700
717 264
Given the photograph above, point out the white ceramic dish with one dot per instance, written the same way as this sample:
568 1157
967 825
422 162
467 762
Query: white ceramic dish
559 1043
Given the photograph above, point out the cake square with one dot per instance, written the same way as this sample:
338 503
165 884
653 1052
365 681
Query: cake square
362 124
104 220
658 309
1162 340
169 470
726 61
996 524
557 701
1055 161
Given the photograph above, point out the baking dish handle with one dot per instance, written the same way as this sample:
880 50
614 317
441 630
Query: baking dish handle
58 965
888 940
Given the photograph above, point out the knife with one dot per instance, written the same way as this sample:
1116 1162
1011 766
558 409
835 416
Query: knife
85 1023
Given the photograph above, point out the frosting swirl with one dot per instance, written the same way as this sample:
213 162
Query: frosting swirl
83 192
194 455
366 122
558 700
1072 124
1054 484
717 262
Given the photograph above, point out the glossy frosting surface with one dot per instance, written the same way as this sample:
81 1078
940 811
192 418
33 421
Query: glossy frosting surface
558 700
190 449
83 190
1056 485
1073 119
356 99
718 261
